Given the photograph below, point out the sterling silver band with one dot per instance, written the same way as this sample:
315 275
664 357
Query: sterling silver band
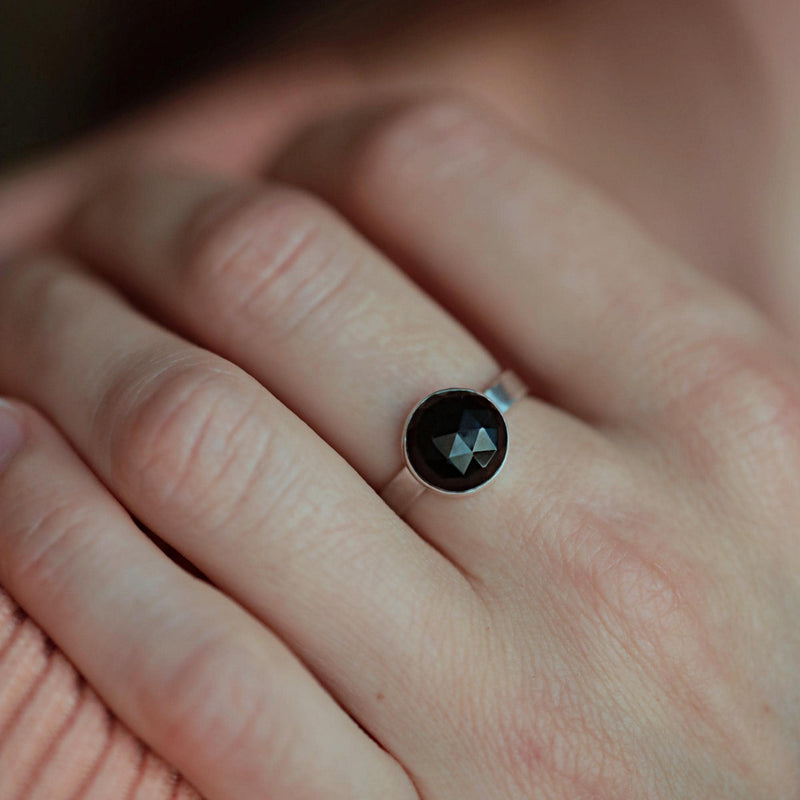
404 488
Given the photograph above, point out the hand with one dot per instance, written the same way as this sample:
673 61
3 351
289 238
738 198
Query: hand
684 113
614 616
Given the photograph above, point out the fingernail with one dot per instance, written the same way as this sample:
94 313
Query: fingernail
12 434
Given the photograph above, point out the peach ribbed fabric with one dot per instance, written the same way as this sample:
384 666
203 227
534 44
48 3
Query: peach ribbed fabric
58 741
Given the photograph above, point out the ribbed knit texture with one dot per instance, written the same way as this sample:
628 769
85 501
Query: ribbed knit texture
58 741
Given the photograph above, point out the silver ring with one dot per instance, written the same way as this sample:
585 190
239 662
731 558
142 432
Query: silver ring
454 441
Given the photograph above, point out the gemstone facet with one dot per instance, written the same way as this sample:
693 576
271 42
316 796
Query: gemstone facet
456 440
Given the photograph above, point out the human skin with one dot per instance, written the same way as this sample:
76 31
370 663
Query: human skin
613 617
686 114
258 155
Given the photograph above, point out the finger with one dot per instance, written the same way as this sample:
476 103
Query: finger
227 124
275 281
540 266
571 290
229 477
192 673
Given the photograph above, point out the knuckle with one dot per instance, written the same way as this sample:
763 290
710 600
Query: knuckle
649 609
606 546
38 292
409 141
214 703
38 557
645 598
272 259
176 434
640 606
743 401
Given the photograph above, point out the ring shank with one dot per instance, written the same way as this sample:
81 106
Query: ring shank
506 390
404 488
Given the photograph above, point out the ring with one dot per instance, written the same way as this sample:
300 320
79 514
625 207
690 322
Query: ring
455 441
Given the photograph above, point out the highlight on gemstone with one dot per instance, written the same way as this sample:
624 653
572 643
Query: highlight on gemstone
456 440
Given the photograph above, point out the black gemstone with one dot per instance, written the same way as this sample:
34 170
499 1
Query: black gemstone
456 440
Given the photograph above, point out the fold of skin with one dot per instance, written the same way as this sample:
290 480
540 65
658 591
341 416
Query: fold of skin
685 112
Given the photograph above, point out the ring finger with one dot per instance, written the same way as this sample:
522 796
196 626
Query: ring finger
276 281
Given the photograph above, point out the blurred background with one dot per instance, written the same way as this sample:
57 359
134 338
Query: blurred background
685 112
67 66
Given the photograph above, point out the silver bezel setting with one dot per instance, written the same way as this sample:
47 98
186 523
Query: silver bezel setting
419 478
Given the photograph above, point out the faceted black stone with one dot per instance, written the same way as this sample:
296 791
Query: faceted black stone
456 440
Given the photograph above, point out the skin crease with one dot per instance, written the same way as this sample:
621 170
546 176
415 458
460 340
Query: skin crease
627 629
686 113
693 184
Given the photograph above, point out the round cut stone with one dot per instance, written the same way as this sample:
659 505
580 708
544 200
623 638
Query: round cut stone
456 440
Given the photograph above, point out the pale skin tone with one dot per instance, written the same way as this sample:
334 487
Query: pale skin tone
615 616
686 114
